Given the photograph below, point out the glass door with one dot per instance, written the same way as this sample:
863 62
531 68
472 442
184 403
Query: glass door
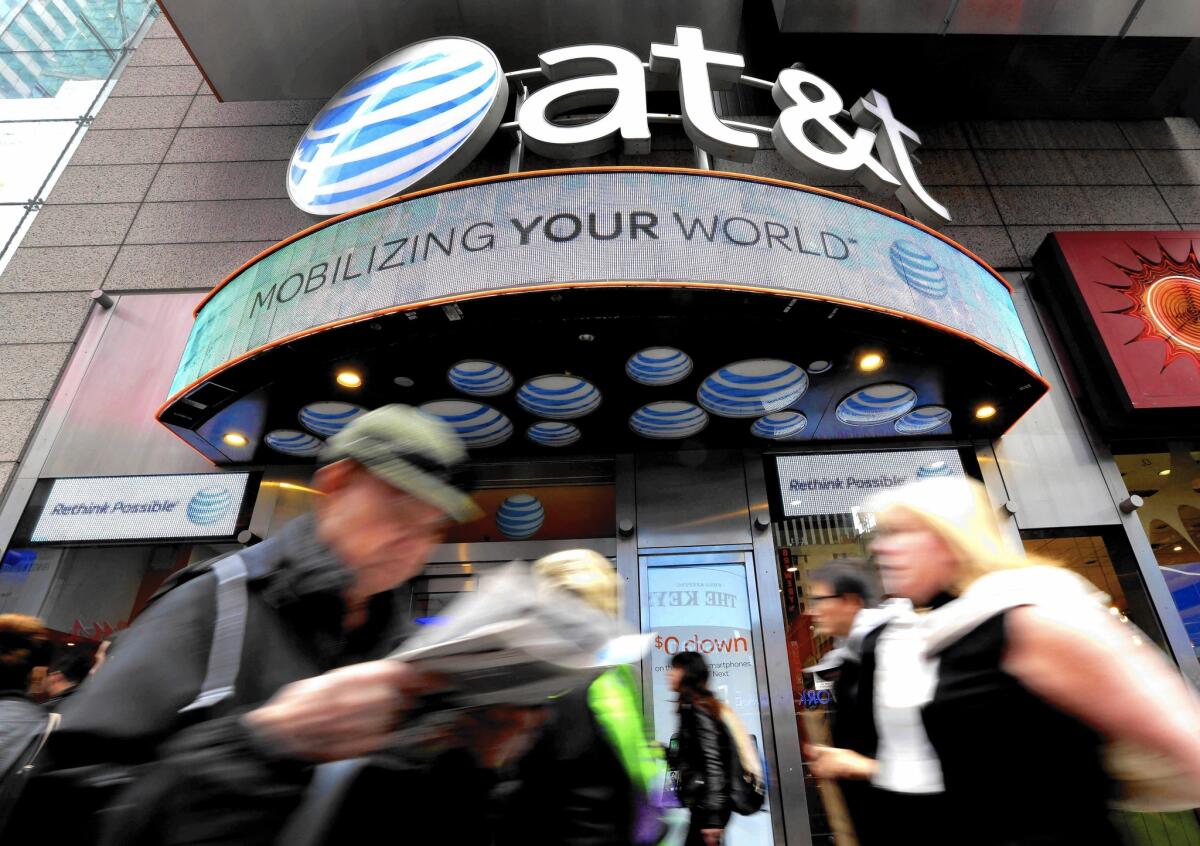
820 515
702 602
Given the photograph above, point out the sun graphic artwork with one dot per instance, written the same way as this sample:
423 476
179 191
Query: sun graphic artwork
1165 296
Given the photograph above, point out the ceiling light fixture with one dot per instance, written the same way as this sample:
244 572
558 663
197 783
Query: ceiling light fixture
236 439
1177 549
1166 472
349 379
985 411
870 361
793 569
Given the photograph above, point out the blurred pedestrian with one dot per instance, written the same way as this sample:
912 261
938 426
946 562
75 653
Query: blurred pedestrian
701 752
64 677
244 672
589 778
839 593
1024 677
23 646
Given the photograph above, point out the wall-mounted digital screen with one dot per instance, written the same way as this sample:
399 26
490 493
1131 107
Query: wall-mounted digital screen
843 483
633 227
133 508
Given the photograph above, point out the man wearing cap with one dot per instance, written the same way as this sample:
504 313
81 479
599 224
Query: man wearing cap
202 750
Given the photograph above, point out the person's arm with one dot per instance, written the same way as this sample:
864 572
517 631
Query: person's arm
832 762
126 709
1081 664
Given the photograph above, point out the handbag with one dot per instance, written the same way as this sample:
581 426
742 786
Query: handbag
747 785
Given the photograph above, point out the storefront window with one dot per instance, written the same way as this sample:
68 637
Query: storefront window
1169 482
540 512
1101 555
837 527
87 593
802 545
821 517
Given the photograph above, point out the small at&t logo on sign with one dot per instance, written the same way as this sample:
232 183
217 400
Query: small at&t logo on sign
418 114
208 505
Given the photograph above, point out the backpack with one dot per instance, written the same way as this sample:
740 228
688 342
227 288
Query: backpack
747 787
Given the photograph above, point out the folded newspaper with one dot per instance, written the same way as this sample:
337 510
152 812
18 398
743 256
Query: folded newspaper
518 641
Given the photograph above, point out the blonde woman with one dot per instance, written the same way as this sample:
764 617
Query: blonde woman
1011 685
590 775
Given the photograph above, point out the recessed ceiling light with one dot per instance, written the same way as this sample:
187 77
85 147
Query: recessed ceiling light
1177 549
404 381
985 411
870 361
1166 472
349 379
236 439
793 569
71 643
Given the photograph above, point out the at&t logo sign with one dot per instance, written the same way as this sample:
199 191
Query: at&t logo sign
418 115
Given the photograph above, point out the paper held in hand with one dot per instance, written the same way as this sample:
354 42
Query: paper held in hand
519 641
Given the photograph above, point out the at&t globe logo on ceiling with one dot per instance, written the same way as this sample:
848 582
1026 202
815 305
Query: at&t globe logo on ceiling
410 118
208 505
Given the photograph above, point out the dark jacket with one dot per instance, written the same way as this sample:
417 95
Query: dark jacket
570 788
55 703
20 722
200 777
702 759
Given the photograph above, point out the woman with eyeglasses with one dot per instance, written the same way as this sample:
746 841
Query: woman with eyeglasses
1006 689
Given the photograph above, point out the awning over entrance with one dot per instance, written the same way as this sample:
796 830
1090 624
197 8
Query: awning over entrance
607 309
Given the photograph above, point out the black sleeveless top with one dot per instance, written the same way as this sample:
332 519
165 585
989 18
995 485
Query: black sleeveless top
1017 771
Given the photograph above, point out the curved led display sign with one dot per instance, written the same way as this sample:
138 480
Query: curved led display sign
599 227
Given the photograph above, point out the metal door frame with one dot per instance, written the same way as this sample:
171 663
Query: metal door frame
745 557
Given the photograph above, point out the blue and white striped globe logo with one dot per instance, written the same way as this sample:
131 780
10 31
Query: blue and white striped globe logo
416 115
293 442
478 425
559 397
553 433
927 418
876 404
480 378
753 388
780 426
208 505
657 366
520 516
668 420
918 269
328 418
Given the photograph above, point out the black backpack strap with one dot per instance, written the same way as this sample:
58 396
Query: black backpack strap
229 632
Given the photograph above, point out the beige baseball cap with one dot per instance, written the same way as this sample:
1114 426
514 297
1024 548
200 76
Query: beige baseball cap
413 452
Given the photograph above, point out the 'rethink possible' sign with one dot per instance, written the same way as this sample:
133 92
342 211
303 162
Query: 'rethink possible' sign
115 508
